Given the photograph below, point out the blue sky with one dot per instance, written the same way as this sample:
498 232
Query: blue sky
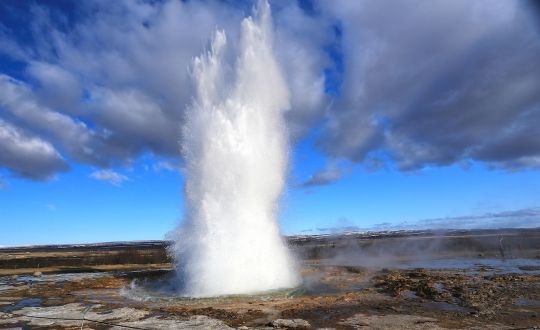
74 208
390 128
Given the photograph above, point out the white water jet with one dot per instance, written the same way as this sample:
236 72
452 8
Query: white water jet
236 149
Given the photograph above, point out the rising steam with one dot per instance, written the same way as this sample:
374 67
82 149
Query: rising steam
235 146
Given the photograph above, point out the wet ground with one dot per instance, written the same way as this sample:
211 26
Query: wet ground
481 292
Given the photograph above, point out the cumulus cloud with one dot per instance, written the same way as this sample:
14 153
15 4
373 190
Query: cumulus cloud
58 88
166 165
420 83
28 156
324 176
300 40
105 82
20 106
435 83
109 176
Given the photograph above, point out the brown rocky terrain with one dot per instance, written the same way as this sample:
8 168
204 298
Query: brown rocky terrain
415 280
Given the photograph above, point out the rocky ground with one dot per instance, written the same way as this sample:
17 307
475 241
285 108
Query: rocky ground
434 293
332 297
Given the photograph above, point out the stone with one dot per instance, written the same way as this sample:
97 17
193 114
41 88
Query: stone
408 322
70 315
291 324
196 322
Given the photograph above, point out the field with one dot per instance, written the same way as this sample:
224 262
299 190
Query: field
381 280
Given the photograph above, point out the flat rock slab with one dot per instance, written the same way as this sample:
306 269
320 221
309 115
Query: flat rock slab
71 315
196 322
412 322
291 324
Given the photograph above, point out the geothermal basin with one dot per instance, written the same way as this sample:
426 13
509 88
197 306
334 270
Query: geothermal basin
417 279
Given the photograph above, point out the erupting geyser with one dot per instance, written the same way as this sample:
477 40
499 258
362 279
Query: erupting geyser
235 145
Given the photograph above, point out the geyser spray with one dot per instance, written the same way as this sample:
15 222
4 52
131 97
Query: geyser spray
236 149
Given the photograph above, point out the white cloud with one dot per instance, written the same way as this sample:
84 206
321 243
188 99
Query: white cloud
166 166
58 89
28 156
326 175
436 83
427 83
116 82
109 176
67 133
